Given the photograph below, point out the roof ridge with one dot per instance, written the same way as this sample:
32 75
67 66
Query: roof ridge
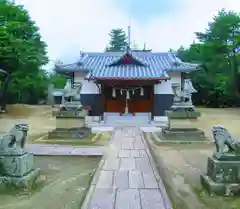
128 52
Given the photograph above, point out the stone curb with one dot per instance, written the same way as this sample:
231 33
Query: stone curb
166 199
55 150
159 141
93 184
68 155
98 135
41 139
92 187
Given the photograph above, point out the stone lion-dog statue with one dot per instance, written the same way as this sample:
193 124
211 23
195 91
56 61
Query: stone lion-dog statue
223 138
13 143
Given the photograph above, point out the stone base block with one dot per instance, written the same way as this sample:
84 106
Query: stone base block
183 134
220 189
223 171
17 166
68 114
183 123
25 181
183 114
68 123
69 133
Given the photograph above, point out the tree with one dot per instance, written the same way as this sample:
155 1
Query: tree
118 40
22 51
218 81
29 87
222 35
58 80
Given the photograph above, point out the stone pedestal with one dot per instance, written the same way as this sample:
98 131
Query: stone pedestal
184 114
182 106
17 165
68 113
68 123
223 176
69 127
18 170
71 133
183 134
183 130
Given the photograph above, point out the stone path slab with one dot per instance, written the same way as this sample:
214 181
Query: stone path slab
151 129
64 150
127 179
101 129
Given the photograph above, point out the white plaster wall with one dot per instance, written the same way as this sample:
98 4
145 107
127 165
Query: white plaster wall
88 87
175 77
165 87
79 76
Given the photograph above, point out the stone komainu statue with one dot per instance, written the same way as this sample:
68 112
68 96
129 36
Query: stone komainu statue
222 137
13 142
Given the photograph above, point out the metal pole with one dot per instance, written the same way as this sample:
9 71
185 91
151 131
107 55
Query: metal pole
129 37
129 27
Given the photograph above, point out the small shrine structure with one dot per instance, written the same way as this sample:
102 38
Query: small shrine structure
127 83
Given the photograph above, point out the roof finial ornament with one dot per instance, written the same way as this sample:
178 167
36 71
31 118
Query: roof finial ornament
81 54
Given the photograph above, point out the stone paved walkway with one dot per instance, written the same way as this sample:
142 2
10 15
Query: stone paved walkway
127 179
48 149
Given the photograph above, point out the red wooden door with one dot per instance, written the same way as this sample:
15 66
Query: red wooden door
139 105
115 105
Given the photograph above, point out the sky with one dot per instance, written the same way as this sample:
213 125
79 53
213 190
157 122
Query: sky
69 27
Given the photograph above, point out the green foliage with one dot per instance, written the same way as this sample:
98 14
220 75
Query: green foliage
21 45
29 87
218 81
22 53
118 40
58 80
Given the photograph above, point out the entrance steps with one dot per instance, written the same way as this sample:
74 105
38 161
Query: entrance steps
128 119
139 120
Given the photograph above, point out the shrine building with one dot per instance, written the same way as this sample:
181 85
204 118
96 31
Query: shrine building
127 83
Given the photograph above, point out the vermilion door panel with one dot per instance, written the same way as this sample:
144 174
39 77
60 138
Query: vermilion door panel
115 105
139 105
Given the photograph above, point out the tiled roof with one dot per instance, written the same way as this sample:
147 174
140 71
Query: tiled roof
157 65
73 67
127 72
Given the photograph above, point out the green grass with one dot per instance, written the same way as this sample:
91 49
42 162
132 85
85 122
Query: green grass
12 189
63 177
216 202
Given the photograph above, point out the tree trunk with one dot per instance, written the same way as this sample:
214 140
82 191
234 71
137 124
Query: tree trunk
4 93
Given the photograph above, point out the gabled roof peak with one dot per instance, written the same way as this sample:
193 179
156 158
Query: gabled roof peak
127 58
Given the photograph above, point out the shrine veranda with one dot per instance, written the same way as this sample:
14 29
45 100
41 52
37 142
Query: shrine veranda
127 83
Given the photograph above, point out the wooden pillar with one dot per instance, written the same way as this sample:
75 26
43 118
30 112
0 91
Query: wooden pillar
102 101
72 79
182 80
152 101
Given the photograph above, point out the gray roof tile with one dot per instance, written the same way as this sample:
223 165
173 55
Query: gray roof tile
157 65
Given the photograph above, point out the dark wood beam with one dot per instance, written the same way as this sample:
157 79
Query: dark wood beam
128 83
